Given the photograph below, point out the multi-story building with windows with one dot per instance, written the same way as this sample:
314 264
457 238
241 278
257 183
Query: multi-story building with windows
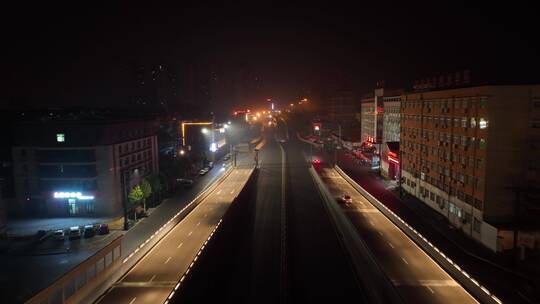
342 107
81 167
464 150
390 137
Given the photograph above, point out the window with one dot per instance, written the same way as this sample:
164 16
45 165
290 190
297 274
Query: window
482 143
464 122
473 122
60 137
482 123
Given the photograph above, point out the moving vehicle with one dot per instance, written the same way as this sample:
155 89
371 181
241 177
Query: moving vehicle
316 161
59 235
103 229
74 233
345 199
89 231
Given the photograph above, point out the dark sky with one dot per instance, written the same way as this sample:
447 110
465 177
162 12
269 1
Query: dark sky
61 55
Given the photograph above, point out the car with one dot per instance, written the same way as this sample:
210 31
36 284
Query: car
210 165
74 233
345 199
89 231
103 229
316 161
59 235
185 182
203 171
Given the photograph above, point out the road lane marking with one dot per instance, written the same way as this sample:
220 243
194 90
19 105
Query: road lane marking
381 233
152 278
391 245
372 223
430 289
232 191
180 245
218 192
133 300
190 233
168 259
405 260
198 223
206 214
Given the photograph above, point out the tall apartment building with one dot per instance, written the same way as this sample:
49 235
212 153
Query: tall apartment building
342 107
81 167
465 149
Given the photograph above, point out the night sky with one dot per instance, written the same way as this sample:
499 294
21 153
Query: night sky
61 55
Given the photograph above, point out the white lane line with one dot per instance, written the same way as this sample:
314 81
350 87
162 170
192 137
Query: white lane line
405 260
206 214
218 192
380 233
232 191
372 223
430 289
190 233
390 244
168 259
198 223
152 278
180 245
133 300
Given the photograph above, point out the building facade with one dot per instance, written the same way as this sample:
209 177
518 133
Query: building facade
463 150
391 133
81 168
342 107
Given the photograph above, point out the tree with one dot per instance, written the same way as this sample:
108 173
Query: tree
146 190
155 183
135 196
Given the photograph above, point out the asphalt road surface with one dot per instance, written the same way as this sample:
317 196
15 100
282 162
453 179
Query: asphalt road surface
153 278
418 278
317 267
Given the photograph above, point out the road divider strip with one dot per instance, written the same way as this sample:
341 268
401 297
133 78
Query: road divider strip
480 292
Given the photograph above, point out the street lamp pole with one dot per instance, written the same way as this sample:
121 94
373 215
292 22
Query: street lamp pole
125 186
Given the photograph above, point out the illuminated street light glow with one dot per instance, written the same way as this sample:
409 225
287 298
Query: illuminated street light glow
204 130
213 147
182 152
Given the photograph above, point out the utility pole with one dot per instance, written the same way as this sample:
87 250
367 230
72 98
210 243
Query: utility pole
125 186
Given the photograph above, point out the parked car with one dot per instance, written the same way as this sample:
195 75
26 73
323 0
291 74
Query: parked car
89 231
210 165
59 235
203 171
345 199
74 233
103 229
185 182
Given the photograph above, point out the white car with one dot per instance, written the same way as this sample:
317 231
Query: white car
59 235
203 171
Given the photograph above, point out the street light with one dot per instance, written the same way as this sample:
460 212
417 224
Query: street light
182 152
204 131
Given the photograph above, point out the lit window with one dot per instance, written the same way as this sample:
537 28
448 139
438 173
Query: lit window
473 122
60 137
482 123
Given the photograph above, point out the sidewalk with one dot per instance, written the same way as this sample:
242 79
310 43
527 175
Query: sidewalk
491 269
